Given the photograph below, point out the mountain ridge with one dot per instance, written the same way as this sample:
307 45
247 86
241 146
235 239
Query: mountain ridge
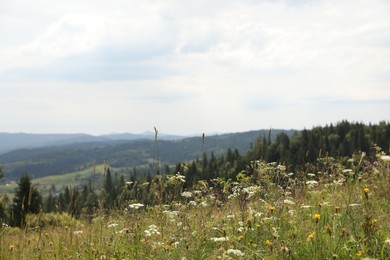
58 159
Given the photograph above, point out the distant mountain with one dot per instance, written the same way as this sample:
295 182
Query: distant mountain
14 141
69 153
146 136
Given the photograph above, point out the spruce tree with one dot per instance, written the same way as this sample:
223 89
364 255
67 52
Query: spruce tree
27 200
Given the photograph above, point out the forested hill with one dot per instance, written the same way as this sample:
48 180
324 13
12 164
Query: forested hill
59 159
341 140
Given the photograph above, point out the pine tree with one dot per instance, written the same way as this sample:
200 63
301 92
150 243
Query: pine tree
27 200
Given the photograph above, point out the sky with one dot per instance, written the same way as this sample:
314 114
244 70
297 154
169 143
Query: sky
189 67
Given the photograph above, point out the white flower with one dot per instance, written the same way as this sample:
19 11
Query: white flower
235 252
385 158
230 216
387 241
192 203
112 225
258 214
204 204
153 230
171 214
219 239
289 202
305 207
186 194
136 205
311 184
291 212
339 182
78 232
354 205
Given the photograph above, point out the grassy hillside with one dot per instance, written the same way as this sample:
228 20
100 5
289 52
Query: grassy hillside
324 216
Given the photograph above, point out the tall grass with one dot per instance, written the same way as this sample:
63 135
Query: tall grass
334 213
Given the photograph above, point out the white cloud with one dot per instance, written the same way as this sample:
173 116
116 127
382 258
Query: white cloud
231 61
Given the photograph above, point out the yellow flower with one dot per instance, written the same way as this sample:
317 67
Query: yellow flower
344 231
268 243
359 254
328 228
311 235
11 248
337 208
366 190
271 208
317 217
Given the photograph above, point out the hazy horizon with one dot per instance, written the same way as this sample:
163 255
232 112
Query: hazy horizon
101 67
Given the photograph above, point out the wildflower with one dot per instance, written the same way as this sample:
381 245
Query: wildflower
337 208
305 207
291 212
219 239
385 158
192 203
311 235
230 216
285 250
344 231
339 182
77 232
136 205
235 252
258 214
387 241
317 217
289 202
359 253
366 190
204 204
354 204
186 194
269 244
271 208
311 184
11 248
112 225
328 229
153 230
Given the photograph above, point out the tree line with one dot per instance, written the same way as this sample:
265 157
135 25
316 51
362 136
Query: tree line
295 153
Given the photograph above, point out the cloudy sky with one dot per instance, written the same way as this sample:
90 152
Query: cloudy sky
189 67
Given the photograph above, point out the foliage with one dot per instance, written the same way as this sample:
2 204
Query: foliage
27 200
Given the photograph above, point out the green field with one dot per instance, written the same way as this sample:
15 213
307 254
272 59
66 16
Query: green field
60 181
